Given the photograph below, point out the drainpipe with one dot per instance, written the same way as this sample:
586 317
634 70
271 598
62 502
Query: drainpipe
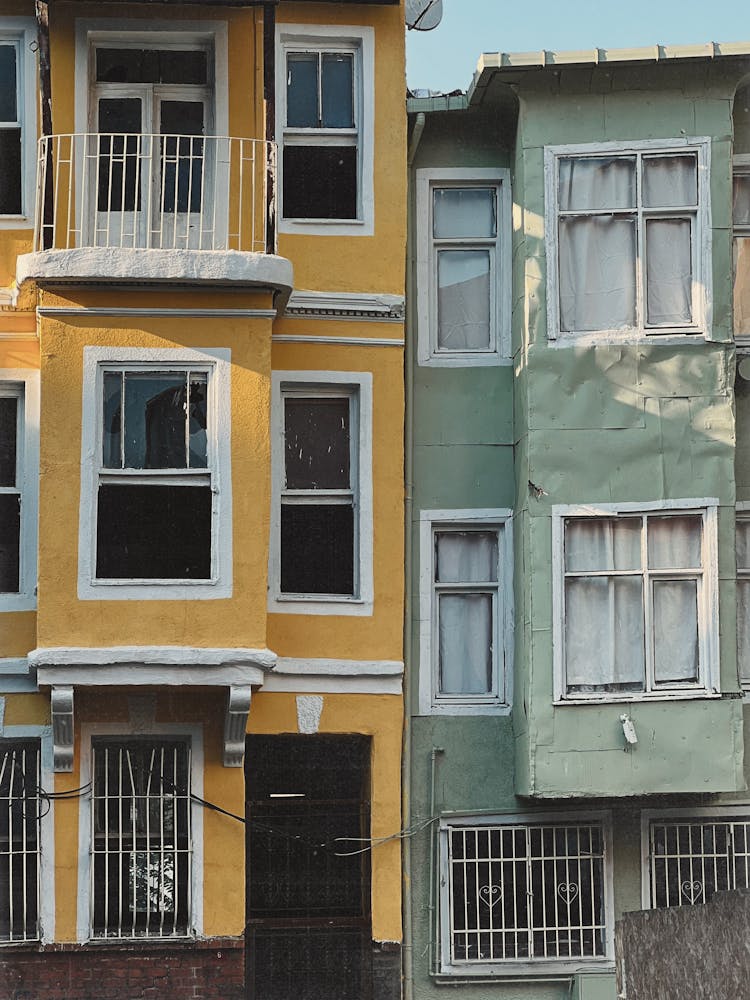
269 96
44 239
408 561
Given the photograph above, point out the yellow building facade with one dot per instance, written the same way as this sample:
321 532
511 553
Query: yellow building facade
202 230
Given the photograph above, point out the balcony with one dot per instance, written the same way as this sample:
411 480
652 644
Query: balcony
131 208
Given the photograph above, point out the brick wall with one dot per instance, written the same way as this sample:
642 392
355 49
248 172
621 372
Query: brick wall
203 970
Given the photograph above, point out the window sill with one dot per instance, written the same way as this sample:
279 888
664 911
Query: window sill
319 605
16 222
493 708
484 360
150 590
605 338
326 227
17 602
658 696
539 971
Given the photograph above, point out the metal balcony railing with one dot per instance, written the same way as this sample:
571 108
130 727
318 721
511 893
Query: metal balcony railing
164 192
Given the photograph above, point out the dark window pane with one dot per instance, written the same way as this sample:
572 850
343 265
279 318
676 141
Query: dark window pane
302 90
119 166
8 84
198 420
112 419
10 532
182 158
316 439
310 964
154 532
8 431
151 66
10 171
294 765
320 182
155 421
317 549
337 89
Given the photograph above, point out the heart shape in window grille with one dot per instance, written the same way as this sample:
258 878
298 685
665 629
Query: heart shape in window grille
568 892
692 891
490 894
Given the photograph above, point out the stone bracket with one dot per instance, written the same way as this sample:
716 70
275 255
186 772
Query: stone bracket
235 724
62 728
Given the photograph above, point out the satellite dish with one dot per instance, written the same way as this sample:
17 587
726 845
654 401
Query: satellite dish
423 15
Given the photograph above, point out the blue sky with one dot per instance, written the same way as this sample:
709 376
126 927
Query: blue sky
444 59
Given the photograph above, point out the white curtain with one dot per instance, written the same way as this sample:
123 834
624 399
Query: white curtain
743 628
741 200
603 543
464 212
463 300
604 643
591 183
597 272
675 611
674 542
670 181
669 271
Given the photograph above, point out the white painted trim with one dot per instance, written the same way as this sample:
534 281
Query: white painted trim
359 385
217 363
536 967
360 40
500 267
137 311
501 519
322 676
701 328
742 508
140 675
46 826
389 307
681 812
126 730
23 383
162 655
305 338
23 31
708 685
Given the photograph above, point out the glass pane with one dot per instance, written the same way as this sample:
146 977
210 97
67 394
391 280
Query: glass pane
465 644
316 437
742 538
466 556
741 200
10 175
675 542
119 161
463 300
461 212
302 89
602 543
317 549
8 84
8 434
182 157
597 273
151 66
675 630
10 531
153 532
112 421
596 182
198 420
337 87
741 291
743 629
670 181
669 272
188 66
320 182
604 634
155 421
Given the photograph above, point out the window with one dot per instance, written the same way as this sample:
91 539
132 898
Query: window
627 238
636 601
157 513
741 230
523 892
742 536
17 120
19 839
466 611
19 471
326 113
308 881
141 842
463 262
693 857
321 551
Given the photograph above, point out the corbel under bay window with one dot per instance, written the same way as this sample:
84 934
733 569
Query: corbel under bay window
628 239
155 475
635 601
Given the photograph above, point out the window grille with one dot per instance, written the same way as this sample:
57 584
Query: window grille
526 892
141 839
19 840
694 858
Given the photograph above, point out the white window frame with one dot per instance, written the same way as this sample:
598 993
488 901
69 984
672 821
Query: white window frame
217 363
740 165
46 841
498 701
22 32
535 966
23 385
500 266
700 813
125 732
358 40
701 244
708 602
358 385
742 513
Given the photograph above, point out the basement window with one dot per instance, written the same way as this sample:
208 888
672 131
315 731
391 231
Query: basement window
157 515
520 894
19 840
636 601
